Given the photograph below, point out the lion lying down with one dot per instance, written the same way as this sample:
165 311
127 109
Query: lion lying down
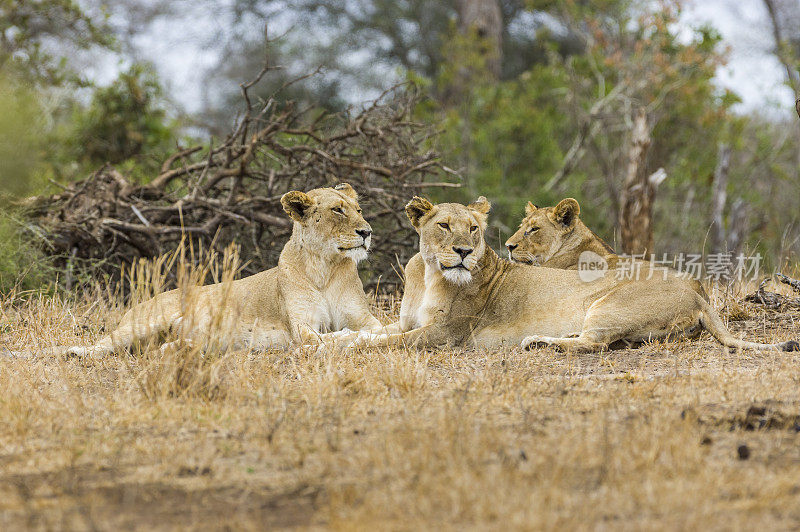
556 237
460 293
314 289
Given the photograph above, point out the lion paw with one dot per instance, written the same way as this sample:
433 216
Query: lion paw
365 338
77 352
338 334
533 341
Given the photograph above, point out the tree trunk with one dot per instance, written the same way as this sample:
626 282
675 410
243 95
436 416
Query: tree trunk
783 50
785 55
638 192
739 227
485 18
719 196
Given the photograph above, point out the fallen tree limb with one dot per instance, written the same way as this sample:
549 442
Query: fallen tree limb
774 300
794 283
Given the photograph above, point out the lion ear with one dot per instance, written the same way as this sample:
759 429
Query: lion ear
566 212
530 208
481 205
347 190
297 204
418 208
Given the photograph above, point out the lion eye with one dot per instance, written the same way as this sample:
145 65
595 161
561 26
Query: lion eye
473 228
531 230
444 226
358 211
337 210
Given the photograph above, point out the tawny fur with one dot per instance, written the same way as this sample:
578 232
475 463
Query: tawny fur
314 289
555 237
507 303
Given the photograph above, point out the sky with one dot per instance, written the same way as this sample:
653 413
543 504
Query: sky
183 58
752 71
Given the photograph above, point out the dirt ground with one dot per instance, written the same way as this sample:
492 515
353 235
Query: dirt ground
678 435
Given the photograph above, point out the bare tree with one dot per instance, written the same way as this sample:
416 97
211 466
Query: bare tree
739 226
485 18
783 50
719 196
728 238
638 192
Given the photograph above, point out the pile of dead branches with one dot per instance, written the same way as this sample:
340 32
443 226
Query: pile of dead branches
774 300
230 192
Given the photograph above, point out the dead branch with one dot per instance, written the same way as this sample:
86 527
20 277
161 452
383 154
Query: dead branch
785 279
774 300
229 190
587 130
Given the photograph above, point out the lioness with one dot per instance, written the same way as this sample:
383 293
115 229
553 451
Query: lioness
555 237
460 293
315 287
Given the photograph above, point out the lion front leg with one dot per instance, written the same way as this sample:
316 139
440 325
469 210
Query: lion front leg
423 337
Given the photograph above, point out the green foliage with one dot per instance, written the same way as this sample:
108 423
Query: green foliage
505 139
32 30
22 266
21 143
123 124
124 121
22 154
511 137
47 134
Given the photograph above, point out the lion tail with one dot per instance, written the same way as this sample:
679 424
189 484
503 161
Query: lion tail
712 322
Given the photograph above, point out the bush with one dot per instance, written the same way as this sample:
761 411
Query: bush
124 121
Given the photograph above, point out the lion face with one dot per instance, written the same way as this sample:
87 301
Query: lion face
329 221
542 232
450 235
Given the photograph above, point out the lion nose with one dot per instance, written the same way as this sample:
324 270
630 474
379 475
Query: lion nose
512 247
364 233
462 252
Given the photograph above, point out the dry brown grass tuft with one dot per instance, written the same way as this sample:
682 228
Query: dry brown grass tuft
677 435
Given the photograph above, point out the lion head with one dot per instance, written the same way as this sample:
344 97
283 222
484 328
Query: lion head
329 221
450 235
543 231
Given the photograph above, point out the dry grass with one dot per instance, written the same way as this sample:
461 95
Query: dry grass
631 439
